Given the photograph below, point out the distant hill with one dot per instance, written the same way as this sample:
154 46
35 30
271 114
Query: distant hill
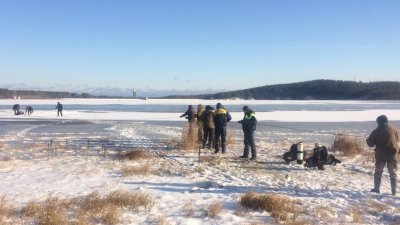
28 94
314 90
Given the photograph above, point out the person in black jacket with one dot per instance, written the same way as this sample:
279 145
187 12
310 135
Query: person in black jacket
28 110
249 123
59 108
221 117
190 114
16 108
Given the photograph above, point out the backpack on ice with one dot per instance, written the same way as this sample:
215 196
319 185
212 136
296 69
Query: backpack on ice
291 155
320 158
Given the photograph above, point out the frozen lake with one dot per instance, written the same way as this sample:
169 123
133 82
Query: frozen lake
29 173
279 121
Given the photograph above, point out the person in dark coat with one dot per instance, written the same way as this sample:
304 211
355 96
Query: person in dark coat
16 109
385 138
221 118
249 123
190 114
200 126
208 127
28 110
59 108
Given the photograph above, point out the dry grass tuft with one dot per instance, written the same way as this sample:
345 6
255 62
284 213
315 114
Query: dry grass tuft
137 154
188 209
162 220
82 218
132 200
136 170
214 209
189 137
200 170
281 208
31 209
230 139
349 145
52 213
89 209
6 209
240 210
356 214
6 159
92 203
211 160
374 207
173 144
110 214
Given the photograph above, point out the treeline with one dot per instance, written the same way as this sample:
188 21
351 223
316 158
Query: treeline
314 90
28 94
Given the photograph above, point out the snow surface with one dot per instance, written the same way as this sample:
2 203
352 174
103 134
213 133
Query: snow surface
327 197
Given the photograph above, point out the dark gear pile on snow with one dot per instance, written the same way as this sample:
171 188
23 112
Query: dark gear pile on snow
320 158
291 155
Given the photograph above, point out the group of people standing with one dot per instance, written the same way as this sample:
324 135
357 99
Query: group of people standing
29 109
212 124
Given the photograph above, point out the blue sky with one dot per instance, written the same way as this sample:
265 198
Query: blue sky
195 45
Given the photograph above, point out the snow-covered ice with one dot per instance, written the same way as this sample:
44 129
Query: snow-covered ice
28 172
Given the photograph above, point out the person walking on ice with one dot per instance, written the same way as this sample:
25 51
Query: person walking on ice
59 108
385 138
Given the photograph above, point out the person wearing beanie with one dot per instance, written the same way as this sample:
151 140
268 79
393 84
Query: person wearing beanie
249 123
221 117
385 138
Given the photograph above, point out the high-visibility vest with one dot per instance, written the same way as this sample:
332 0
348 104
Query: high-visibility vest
249 117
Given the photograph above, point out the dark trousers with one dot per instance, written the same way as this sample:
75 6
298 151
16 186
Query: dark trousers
392 167
380 165
249 143
220 138
209 134
59 112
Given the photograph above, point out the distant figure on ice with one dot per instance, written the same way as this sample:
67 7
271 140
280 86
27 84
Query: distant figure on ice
385 138
16 109
190 114
249 123
221 117
28 110
59 108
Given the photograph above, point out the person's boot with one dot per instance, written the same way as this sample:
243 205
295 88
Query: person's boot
393 185
223 147
216 148
377 184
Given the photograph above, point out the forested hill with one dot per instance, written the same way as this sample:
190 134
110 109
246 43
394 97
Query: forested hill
27 94
315 89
